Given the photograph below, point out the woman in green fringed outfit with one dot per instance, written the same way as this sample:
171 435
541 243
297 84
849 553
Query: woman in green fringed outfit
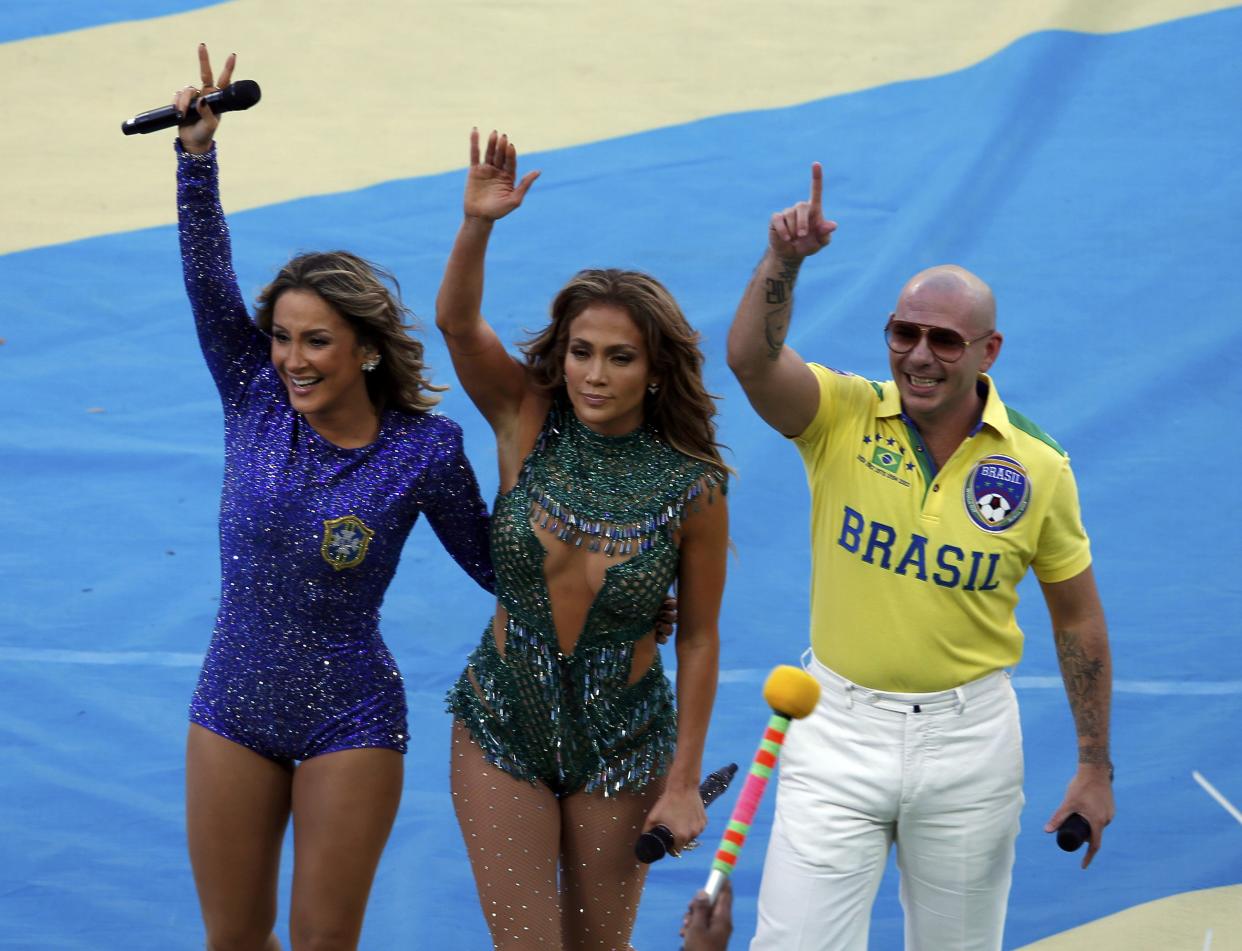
566 742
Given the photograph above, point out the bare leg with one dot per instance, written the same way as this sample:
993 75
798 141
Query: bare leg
601 880
512 831
237 806
344 805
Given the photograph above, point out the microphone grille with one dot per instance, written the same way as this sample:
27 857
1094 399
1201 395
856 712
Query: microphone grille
243 93
653 845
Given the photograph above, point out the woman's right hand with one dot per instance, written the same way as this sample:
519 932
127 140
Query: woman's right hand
200 126
490 190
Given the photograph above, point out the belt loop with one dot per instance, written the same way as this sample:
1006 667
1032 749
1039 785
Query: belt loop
960 694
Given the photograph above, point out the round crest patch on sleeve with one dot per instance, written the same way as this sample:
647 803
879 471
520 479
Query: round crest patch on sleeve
345 541
998 491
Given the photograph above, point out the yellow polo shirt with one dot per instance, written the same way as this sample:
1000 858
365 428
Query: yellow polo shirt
914 571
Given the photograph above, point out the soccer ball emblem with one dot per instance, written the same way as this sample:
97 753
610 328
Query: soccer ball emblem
994 507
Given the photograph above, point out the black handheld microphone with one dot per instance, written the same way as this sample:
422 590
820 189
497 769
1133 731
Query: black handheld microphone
233 98
657 842
1073 832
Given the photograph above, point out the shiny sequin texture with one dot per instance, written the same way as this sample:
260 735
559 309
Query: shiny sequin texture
572 721
310 533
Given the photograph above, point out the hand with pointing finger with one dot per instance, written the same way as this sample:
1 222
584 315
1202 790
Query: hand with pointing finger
801 230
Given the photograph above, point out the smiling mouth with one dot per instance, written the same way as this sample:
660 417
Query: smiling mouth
921 381
301 384
595 398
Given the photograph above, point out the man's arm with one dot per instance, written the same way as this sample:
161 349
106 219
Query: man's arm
778 383
1081 636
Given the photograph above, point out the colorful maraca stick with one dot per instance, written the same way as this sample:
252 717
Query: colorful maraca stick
792 694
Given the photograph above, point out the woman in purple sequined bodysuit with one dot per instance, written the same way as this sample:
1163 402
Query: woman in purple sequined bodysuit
331 454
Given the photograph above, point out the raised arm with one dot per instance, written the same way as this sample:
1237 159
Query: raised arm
778 383
232 345
1081 635
495 381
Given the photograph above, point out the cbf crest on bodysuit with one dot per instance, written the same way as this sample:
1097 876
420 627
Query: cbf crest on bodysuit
345 541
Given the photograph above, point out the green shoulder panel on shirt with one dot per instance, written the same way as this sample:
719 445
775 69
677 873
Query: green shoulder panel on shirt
879 390
1021 422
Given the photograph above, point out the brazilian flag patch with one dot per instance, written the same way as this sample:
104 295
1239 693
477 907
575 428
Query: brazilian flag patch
887 459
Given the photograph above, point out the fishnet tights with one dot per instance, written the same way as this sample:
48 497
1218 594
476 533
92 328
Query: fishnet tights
519 835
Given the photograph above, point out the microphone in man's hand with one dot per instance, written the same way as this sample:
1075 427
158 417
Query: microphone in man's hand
232 98
1073 832
657 841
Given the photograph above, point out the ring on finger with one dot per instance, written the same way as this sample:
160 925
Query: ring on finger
690 846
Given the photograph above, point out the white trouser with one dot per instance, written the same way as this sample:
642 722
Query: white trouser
939 774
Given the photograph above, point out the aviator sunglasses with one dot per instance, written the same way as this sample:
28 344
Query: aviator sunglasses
948 345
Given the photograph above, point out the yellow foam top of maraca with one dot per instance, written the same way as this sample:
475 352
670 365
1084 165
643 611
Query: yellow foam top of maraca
791 691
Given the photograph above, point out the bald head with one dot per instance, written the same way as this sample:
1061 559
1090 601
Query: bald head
949 288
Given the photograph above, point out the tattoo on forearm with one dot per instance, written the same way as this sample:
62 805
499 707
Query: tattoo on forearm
779 293
775 326
1086 690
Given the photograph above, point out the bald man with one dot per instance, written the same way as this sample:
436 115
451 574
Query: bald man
930 498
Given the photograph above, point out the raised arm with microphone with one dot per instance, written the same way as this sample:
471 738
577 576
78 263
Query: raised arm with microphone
232 98
792 694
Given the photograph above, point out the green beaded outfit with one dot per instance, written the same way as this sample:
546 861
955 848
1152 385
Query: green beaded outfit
572 721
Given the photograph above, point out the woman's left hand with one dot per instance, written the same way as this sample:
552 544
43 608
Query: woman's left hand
681 812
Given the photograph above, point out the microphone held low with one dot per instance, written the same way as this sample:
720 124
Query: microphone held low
657 841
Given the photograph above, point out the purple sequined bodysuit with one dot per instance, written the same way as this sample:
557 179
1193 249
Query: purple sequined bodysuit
310 533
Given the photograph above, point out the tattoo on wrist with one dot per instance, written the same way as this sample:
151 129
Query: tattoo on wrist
1094 755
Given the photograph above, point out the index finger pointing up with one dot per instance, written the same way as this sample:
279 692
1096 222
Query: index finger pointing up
817 185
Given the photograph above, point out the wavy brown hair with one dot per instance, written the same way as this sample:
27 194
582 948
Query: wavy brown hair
681 410
356 289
